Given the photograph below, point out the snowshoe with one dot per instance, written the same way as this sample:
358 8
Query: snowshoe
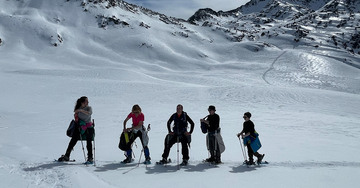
263 162
209 160
63 158
88 162
249 162
163 161
127 160
216 162
184 163
71 160
147 161
260 159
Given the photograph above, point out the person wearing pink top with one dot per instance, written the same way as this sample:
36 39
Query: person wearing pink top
137 130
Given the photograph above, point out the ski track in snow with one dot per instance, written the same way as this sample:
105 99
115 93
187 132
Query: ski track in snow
271 68
56 174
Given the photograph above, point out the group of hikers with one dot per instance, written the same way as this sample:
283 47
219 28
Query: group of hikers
177 133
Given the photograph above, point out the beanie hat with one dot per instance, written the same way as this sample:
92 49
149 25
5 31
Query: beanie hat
247 114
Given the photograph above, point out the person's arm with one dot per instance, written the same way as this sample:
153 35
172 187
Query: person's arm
245 135
84 114
169 123
191 123
204 120
240 133
125 121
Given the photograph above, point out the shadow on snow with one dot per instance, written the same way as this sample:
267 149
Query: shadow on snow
195 167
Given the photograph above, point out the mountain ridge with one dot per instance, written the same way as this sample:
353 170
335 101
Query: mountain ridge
317 24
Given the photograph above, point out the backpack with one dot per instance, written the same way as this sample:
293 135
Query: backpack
204 127
70 130
124 141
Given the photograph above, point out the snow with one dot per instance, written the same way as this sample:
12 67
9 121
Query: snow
304 101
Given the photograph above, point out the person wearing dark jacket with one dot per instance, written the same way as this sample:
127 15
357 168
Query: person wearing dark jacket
249 131
178 133
213 128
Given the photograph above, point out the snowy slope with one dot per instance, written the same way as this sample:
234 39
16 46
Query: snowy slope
304 100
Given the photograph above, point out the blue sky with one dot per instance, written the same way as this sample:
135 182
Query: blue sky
186 8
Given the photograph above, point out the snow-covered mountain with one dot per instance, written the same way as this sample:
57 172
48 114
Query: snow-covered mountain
307 22
293 64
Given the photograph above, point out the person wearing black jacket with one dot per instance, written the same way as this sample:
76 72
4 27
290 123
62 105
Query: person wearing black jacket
249 130
178 133
213 127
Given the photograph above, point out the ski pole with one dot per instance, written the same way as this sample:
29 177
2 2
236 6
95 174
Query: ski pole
94 140
177 140
177 143
208 145
216 152
140 157
242 149
82 144
142 150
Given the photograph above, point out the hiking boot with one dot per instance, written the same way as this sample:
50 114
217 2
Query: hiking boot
90 161
147 160
217 161
163 161
210 160
63 158
184 162
251 162
260 158
127 160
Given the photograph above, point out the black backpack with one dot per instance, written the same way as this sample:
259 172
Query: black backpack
70 130
123 145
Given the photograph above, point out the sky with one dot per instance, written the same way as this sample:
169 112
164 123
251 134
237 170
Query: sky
186 8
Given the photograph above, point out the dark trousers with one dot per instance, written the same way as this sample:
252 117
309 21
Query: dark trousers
251 153
213 146
133 137
89 133
170 140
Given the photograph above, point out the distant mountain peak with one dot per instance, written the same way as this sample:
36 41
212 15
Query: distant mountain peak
302 19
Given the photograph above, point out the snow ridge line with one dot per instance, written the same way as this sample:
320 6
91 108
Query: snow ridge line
271 68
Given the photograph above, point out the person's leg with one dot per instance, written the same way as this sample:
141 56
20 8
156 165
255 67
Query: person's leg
217 152
184 148
72 143
89 137
259 157
250 153
132 137
212 147
146 148
169 141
